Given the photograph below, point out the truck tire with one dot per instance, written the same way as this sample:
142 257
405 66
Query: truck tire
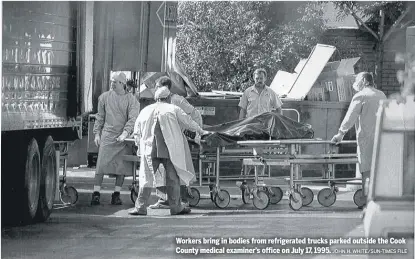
31 188
48 180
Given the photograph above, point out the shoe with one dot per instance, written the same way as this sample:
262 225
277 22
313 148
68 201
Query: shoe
183 212
136 212
115 199
186 204
95 198
159 205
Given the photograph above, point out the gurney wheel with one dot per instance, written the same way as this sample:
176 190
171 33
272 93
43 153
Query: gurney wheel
276 195
133 195
296 202
308 196
359 199
261 202
245 196
69 195
194 197
212 197
326 197
222 199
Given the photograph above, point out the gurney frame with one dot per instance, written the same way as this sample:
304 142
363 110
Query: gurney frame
263 190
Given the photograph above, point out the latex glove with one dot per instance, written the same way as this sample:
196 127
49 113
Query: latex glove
197 139
137 140
337 138
205 132
122 137
97 140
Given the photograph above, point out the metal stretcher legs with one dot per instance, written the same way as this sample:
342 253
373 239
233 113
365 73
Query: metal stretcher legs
258 192
68 195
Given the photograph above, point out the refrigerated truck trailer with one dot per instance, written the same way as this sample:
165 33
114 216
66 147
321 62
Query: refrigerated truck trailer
57 59
40 103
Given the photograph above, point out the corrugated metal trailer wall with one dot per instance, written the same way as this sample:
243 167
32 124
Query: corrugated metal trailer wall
39 84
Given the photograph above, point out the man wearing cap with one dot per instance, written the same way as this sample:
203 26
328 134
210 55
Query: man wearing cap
362 114
117 112
160 184
158 132
258 99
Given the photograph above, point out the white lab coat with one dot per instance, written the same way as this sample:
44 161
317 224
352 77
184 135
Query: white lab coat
362 114
173 121
182 103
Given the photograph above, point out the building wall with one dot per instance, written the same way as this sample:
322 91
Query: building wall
355 42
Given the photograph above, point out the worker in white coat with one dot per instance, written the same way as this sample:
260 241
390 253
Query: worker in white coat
362 114
159 135
160 183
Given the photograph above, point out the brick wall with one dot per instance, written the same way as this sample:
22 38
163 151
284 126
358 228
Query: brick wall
354 42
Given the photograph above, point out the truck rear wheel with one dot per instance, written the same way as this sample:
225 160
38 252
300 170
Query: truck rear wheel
32 177
48 180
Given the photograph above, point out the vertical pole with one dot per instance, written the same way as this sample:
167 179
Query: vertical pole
57 157
217 166
292 148
200 171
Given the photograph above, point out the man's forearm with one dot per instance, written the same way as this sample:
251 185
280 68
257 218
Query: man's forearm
242 114
342 132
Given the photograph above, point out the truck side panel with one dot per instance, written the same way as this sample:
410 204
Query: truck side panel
39 65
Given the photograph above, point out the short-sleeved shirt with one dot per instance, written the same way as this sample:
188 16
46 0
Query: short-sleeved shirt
255 103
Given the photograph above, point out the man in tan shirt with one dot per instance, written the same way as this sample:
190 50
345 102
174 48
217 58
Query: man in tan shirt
258 99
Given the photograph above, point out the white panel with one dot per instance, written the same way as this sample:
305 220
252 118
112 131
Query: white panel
300 66
311 71
282 82
89 57
389 167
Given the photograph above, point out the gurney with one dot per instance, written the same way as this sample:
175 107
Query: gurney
264 190
303 196
282 152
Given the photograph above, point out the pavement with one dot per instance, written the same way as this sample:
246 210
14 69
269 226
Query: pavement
108 231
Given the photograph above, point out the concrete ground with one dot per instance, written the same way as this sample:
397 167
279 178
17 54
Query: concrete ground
107 231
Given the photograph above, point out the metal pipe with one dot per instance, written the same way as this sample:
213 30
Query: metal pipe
147 36
328 180
78 47
294 110
292 152
237 151
326 156
200 172
262 143
324 161
217 166
57 158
